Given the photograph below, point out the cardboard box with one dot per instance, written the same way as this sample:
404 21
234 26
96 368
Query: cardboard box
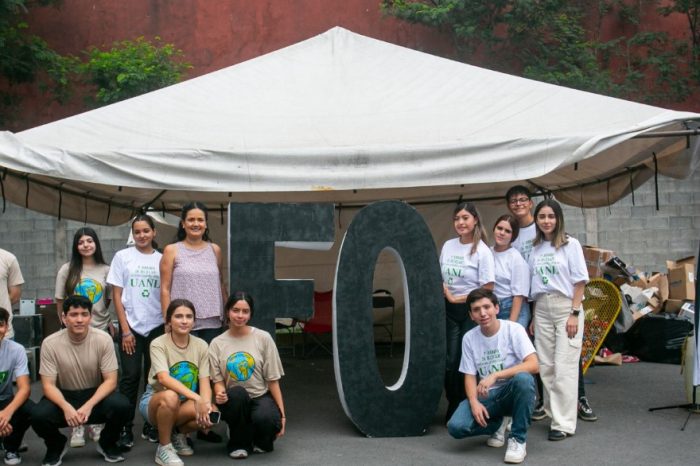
654 280
673 306
681 278
596 259
643 300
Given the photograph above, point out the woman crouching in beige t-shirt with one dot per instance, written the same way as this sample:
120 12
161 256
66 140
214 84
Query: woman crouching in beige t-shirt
246 369
178 397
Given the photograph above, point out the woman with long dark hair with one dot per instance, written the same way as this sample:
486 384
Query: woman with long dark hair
558 277
466 263
135 279
246 370
192 269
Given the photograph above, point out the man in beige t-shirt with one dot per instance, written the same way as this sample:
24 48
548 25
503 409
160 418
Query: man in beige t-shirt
79 376
11 282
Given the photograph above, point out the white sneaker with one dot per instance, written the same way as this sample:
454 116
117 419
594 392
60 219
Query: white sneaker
498 438
12 458
181 446
516 452
94 431
238 454
77 437
167 456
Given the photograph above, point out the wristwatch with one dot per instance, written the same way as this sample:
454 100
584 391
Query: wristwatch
575 312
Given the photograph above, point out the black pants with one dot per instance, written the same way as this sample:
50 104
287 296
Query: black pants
135 368
113 411
251 421
457 324
20 422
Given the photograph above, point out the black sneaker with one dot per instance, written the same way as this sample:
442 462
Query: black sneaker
538 413
210 436
54 453
110 454
585 413
149 433
126 439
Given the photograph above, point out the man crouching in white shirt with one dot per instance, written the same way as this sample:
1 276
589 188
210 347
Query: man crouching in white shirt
498 361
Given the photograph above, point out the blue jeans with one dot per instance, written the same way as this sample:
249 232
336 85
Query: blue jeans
504 307
515 398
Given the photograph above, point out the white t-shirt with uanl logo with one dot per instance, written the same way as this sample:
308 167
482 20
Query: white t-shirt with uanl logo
138 275
557 270
523 243
485 355
463 271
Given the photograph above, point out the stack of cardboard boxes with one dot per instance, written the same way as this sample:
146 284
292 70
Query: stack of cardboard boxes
656 292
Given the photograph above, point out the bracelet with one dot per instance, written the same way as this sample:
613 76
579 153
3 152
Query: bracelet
127 334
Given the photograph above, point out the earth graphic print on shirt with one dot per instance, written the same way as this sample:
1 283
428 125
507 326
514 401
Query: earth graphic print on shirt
546 267
240 366
89 288
186 373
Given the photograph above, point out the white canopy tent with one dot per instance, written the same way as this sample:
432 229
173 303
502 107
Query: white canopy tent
347 119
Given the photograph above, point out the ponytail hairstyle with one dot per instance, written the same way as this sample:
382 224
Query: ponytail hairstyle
151 223
75 269
479 230
181 234
559 236
234 298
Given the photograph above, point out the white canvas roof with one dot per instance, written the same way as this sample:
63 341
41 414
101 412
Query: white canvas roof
344 118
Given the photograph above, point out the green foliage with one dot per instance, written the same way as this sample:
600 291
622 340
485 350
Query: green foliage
131 68
691 10
558 41
26 58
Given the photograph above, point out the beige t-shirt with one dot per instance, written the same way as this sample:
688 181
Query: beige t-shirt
188 365
248 361
78 366
92 285
10 275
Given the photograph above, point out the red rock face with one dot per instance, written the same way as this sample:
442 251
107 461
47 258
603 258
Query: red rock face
213 35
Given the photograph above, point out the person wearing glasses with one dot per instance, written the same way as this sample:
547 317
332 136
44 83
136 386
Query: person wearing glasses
520 204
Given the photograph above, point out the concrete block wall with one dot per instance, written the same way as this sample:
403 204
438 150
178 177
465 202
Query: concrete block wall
641 235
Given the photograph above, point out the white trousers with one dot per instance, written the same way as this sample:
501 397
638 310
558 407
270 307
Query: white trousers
559 359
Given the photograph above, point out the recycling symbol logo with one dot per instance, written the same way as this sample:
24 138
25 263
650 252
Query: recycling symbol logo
145 293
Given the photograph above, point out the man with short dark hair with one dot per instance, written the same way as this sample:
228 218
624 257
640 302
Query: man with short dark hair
15 409
498 361
79 377
11 281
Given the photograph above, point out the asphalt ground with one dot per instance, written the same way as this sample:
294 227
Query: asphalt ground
319 433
